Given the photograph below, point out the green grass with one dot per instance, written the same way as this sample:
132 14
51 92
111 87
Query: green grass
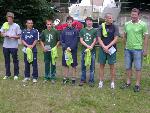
48 98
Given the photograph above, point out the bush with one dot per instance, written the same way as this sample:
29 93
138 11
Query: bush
37 10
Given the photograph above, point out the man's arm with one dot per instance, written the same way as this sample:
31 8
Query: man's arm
62 40
29 46
145 44
83 43
101 42
113 42
58 43
34 43
15 37
43 46
93 44
24 43
124 38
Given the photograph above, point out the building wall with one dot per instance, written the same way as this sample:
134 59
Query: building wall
126 17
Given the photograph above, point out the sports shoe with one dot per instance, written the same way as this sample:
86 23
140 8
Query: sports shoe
5 77
25 79
65 80
34 80
125 85
16 77
112 85
73 82
53 81
91 84
82 83
136 88
100 85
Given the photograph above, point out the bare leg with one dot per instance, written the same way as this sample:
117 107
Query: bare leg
138 78
101 72
66 71
129 73
112 72
74 72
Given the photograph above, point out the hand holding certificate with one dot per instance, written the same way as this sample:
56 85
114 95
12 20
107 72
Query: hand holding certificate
111 50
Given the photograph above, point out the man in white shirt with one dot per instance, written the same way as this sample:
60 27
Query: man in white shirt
11 33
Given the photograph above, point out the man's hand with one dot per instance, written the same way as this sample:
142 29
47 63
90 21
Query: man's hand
145 53
89 47
105 48
45 49
68 49
30 46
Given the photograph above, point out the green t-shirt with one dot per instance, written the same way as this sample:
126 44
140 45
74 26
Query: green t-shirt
50 37
135 34
88 36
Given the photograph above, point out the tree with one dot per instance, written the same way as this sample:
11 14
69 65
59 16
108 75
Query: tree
37 10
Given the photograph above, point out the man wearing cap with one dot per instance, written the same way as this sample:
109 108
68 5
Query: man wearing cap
88 39
11 33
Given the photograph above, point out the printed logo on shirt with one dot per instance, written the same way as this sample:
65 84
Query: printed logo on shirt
49 37
28 36
87 37
69 33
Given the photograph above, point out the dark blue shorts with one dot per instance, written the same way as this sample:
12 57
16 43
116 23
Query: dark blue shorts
74 56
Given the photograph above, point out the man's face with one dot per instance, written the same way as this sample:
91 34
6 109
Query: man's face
109 19
29 24
10 20
49 24
134 16
89 23
69 22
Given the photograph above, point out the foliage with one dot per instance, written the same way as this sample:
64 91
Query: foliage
37 10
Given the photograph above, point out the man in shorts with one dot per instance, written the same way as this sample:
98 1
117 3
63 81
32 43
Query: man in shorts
136 43
106 43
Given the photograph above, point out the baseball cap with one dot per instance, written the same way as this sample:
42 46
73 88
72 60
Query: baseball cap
89 18
10 14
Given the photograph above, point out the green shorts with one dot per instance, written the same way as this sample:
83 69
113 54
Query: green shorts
103 57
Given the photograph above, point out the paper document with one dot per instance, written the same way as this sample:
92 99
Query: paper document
112 50
48 47
24 49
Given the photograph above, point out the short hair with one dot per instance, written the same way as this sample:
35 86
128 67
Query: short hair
48 20
89 18
135 10
69 18
29 20
107 14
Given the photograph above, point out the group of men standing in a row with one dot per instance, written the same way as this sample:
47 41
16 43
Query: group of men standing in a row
135 34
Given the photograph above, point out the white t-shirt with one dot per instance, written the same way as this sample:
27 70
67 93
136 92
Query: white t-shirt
13 30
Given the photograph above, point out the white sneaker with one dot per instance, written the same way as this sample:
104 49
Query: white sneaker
112 85
15 77
25 79
5 77
34 80
100 84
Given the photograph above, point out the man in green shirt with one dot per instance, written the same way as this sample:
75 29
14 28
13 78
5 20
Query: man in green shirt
88 39
135 34
49 38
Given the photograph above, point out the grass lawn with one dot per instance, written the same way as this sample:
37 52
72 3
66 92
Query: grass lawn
16 97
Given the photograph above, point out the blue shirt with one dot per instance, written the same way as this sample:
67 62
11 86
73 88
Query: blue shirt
29 36
69 38
112 32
